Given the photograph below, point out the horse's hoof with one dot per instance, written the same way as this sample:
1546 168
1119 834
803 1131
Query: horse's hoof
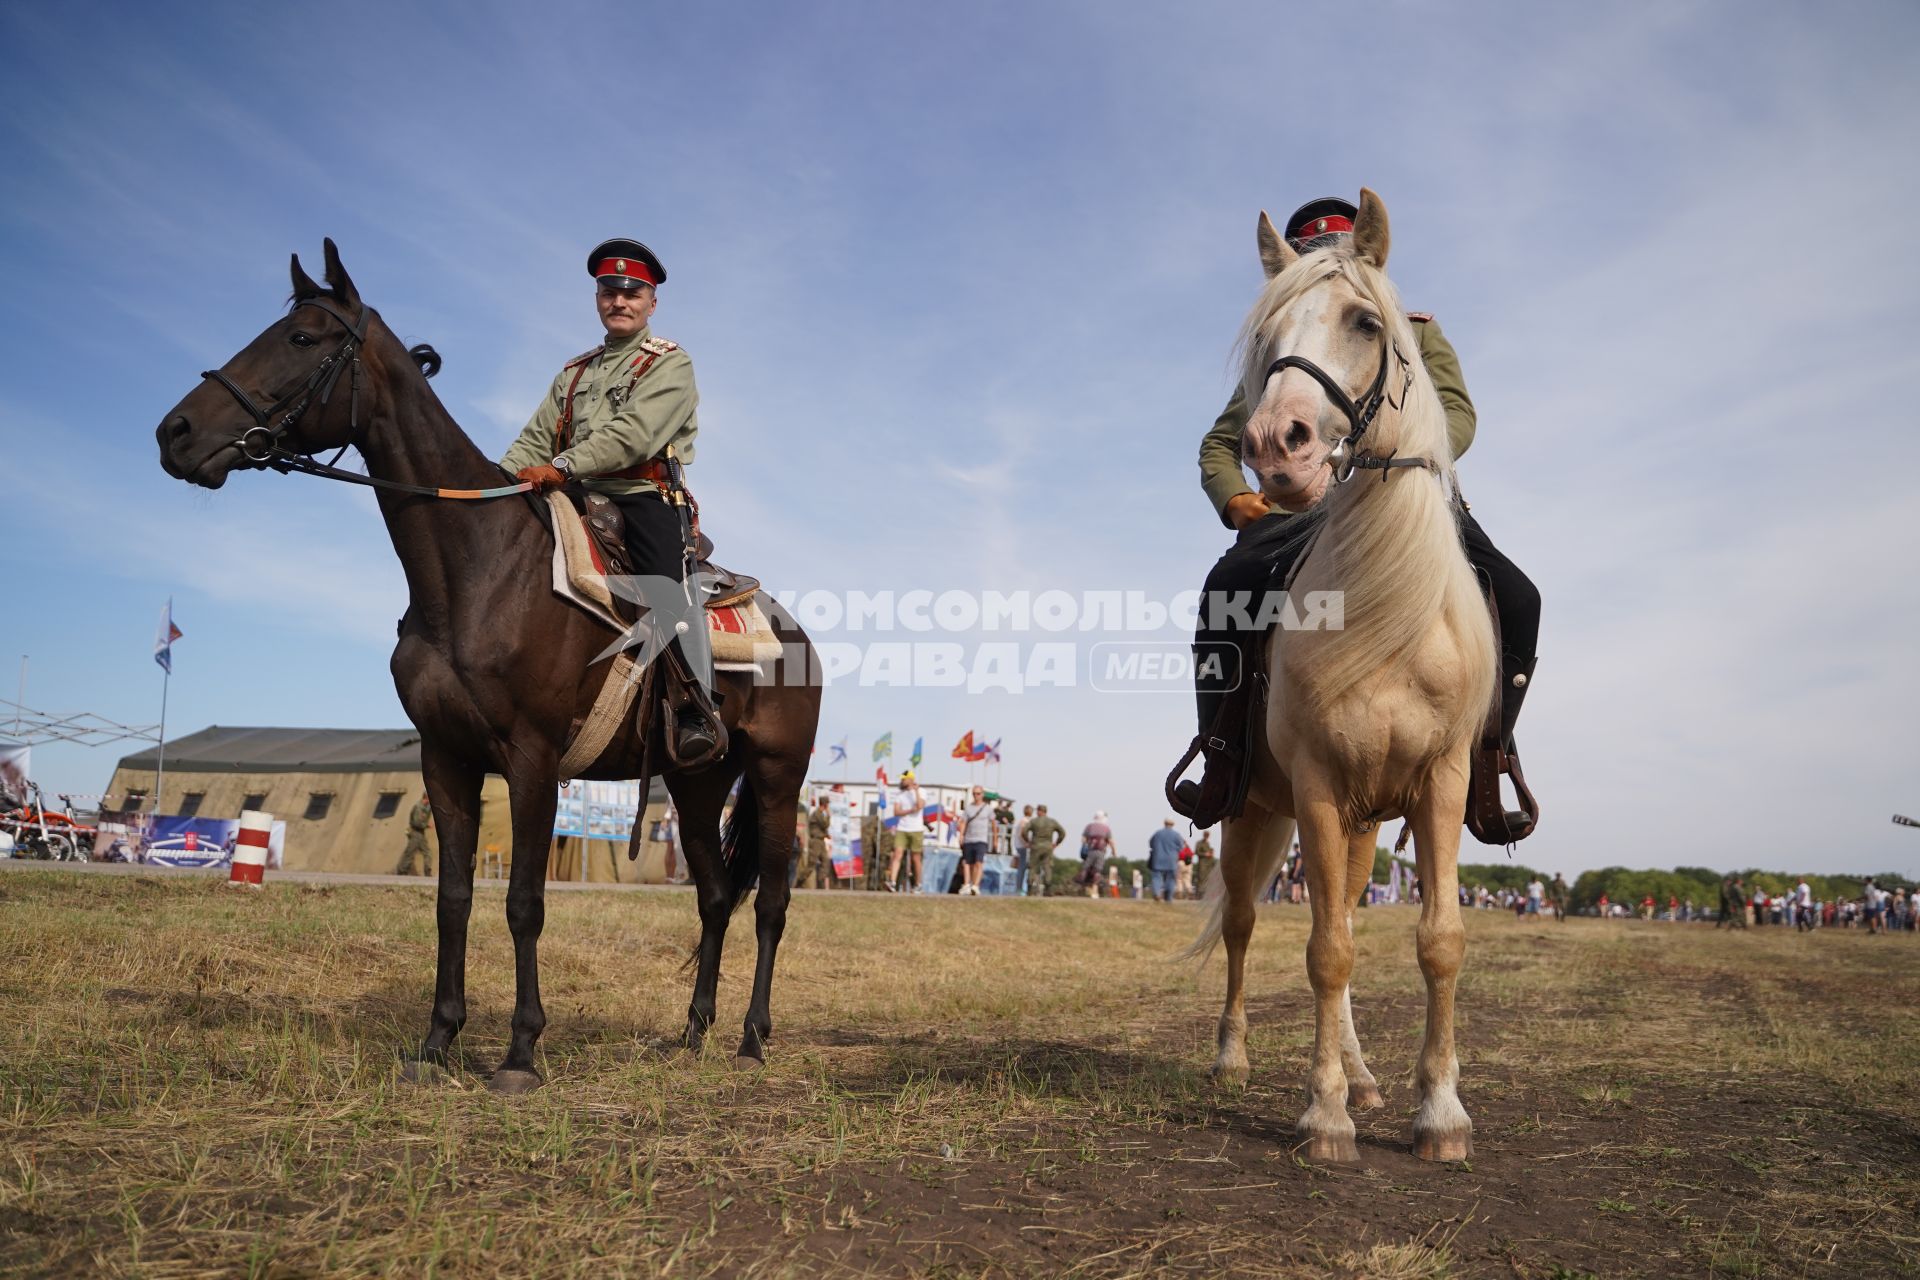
511 1081
1331 1148
421 1071
1364 1097
1231 1077
747 1062
1443 1148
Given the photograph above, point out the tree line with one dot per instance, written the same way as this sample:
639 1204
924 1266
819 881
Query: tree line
1701 885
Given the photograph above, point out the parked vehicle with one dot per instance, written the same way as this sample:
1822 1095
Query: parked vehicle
50 835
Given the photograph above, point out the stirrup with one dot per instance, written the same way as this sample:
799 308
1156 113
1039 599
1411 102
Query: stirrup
1488 818
1207 801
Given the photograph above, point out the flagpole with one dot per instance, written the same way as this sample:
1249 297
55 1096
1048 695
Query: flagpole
160 774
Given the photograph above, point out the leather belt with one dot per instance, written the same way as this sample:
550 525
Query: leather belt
653 469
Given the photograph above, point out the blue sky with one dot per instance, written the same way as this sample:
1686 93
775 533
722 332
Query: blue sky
960 285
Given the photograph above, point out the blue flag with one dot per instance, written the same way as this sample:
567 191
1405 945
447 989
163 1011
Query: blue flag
163 640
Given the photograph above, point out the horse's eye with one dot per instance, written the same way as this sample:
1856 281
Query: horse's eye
299 339
1369 324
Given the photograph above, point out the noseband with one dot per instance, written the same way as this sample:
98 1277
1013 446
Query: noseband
1346 455
260 443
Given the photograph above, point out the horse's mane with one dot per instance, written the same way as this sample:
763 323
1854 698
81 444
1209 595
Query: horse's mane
1393 544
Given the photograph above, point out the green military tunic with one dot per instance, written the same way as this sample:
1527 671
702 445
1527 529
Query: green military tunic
1043 833
1202 863
635 396
819 826
415 854
1220 472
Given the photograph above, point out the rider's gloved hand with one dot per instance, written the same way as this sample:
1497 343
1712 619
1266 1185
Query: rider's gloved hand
542 477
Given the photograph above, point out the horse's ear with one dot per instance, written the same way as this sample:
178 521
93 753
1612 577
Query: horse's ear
303 285
1276 255
1370 237
338 279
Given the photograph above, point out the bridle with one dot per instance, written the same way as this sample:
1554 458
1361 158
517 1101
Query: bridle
260 444
1346 455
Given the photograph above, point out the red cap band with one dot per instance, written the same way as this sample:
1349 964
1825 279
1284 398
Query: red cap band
624 267
1313 228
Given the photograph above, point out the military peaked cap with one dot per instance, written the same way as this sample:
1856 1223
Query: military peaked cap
625 264
1327 216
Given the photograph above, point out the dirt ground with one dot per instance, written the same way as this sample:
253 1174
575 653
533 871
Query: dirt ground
197 1081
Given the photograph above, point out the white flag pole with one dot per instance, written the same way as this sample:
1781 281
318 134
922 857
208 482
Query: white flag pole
160 774
166 681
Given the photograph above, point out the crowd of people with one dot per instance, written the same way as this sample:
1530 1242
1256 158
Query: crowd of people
1876 909
1176 868
894 852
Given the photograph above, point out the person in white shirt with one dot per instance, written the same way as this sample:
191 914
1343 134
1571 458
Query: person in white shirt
1536 894
976 837
909 831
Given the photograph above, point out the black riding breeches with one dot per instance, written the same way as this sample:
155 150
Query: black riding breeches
1263 554
655 542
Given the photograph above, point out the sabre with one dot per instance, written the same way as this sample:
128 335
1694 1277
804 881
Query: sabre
689 541
1903 820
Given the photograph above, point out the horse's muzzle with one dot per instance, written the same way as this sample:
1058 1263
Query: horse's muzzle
174 435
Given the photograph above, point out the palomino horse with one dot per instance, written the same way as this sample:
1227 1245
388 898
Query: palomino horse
491 667
1375 719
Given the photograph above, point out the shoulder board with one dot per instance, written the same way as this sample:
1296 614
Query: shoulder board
1420 317
585 356
659 346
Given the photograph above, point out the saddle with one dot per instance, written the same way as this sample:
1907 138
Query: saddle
607 527
589 547
1229 745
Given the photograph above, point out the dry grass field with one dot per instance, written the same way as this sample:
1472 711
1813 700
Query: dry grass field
200 1082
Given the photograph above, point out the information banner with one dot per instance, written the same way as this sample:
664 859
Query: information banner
172 841
598 810
845 834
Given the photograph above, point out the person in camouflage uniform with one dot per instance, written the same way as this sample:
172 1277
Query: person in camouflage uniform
1267 543
1044 834
1733 904
416 851
1203 861
871 869
818 859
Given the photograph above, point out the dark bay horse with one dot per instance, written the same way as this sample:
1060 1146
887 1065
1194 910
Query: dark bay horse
491 667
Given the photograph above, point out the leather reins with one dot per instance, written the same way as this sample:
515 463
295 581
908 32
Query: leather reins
260 444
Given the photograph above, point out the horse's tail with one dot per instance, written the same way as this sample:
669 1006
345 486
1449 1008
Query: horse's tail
1266 856
740 845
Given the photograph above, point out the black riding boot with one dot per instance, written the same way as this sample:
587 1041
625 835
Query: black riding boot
1515 681
1220 743
1494 754
699 735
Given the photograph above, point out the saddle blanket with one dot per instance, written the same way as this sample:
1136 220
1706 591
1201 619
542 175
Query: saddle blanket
739 633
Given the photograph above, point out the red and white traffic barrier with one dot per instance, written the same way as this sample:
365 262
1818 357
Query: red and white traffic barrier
250 850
